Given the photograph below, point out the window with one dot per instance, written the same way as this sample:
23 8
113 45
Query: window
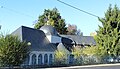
50 59
33 59
45 59
40 59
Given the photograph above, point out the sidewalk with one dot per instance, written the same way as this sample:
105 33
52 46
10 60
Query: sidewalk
86 66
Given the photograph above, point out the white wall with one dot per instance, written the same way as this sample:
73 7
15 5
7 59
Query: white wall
37 53
54 39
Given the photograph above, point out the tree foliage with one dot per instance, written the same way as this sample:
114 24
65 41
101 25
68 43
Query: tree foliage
108 35
93 50
12 50
85 55
52 17
72 30
89 51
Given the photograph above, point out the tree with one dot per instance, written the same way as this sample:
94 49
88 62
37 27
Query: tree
72 30
85 55
108 35
52 17
90 51
12 50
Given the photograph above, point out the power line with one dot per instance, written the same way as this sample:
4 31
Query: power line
77 8
16 11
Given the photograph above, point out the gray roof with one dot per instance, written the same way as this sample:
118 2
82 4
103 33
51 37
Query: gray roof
39 41
49 30
87 40
37 38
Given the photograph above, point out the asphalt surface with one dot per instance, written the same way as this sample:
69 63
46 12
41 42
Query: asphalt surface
100 66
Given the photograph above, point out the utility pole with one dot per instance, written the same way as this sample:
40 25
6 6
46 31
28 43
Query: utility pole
0 26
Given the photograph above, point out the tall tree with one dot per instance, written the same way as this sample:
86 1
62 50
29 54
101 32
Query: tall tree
108 35
72 30
12 50
52 17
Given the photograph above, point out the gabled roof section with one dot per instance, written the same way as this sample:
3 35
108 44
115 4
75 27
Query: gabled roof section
18 32
37 38
83 40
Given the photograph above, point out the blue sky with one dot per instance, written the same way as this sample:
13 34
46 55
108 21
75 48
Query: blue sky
24 12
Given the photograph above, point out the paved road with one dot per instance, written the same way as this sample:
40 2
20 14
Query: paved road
101 66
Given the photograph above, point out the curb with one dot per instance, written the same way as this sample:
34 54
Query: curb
88 66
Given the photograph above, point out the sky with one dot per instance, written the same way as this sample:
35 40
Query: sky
16 13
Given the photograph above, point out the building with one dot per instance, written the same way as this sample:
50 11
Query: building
46 40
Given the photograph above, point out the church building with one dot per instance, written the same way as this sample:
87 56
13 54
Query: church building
46 40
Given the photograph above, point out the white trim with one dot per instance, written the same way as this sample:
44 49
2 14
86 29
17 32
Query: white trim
43 58
30 60
37 58
41 52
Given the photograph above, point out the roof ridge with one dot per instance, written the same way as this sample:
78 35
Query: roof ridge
30 28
